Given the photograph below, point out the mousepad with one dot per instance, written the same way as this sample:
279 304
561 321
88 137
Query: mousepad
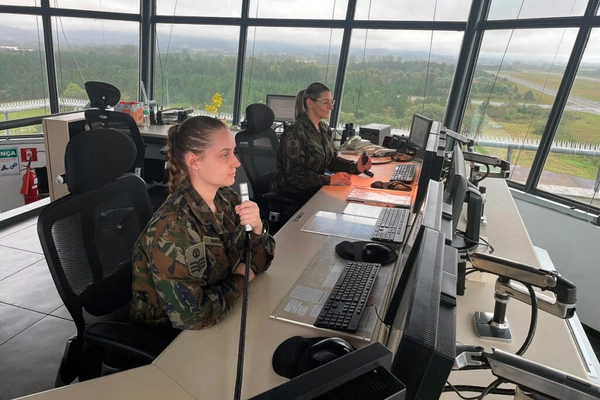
347 226
354 251
305 298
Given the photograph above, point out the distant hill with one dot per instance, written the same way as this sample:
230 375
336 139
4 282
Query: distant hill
28 39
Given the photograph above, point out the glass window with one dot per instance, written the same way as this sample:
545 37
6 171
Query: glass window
413 10
522 9
23 81
30 3
193 63
277 64
393 74
23 130
203 8
298 9
571 169
515 83
99 5
94 50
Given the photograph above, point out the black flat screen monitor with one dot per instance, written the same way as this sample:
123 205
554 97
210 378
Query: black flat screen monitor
427 170
423 321
430 215
458 191
283 106
361 374
419 132
456 185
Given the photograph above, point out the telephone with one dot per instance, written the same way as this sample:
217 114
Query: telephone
384 152
356 143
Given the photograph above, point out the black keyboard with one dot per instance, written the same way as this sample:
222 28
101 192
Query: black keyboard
391 225
404 173
346 302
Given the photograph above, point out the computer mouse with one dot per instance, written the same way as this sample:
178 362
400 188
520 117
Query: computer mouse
329 349
375 252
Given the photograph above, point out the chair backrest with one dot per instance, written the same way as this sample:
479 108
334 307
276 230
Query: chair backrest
124 123
87 240
257 148
103 95
96 157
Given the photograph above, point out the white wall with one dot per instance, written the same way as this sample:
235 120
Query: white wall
574 247
10 186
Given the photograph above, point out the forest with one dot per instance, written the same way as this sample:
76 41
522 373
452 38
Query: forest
382 89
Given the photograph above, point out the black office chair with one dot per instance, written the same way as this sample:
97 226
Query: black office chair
103 95
87 238
257 150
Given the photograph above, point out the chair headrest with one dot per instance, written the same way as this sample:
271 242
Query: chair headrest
87 166
102 95
259 118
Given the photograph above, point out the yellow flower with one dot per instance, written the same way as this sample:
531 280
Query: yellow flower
217 100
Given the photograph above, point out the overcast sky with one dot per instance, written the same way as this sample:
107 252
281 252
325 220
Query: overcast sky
538 44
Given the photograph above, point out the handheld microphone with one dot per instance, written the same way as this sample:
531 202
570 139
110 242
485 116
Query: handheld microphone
245 196
242 343
365 159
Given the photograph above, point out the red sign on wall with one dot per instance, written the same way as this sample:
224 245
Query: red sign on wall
28 154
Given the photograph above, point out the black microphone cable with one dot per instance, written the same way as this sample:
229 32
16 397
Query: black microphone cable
242 343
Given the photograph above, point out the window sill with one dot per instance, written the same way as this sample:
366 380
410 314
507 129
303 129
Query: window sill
552 205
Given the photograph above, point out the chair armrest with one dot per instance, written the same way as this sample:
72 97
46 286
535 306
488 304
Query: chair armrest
280 197
127 339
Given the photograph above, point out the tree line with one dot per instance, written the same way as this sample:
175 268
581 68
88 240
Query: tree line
383 89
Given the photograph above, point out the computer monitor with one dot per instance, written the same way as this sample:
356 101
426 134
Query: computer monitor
430 215
432 209
456 186
423 319
419 133
458 191
426 171
363 373
283 106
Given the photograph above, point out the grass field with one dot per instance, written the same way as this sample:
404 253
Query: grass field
545 99
27 130
585 87
574 127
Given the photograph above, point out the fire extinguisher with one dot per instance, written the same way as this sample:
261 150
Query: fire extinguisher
29 188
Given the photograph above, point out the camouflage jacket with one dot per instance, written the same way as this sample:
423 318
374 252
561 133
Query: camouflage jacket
182 262
303 156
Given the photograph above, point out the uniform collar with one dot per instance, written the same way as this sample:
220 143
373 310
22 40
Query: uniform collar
305 121
201 209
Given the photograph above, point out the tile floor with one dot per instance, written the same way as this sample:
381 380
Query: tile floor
34 324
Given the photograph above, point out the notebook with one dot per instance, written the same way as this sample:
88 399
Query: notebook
381 197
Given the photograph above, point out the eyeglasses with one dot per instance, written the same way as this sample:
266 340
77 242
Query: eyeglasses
326 103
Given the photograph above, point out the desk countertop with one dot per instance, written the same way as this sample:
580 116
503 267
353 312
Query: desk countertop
204 362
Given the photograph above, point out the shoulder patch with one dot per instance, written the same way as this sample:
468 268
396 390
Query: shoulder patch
293 148
195 257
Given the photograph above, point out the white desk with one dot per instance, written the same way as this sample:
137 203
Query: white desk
58 131
204 362
147 382
217 346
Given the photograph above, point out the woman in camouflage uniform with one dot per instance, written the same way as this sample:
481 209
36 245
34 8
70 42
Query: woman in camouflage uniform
306 150
188 264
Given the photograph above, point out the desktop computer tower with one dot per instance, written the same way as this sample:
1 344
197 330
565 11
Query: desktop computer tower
375 133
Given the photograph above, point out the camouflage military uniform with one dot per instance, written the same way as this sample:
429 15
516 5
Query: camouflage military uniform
303 156
182 262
